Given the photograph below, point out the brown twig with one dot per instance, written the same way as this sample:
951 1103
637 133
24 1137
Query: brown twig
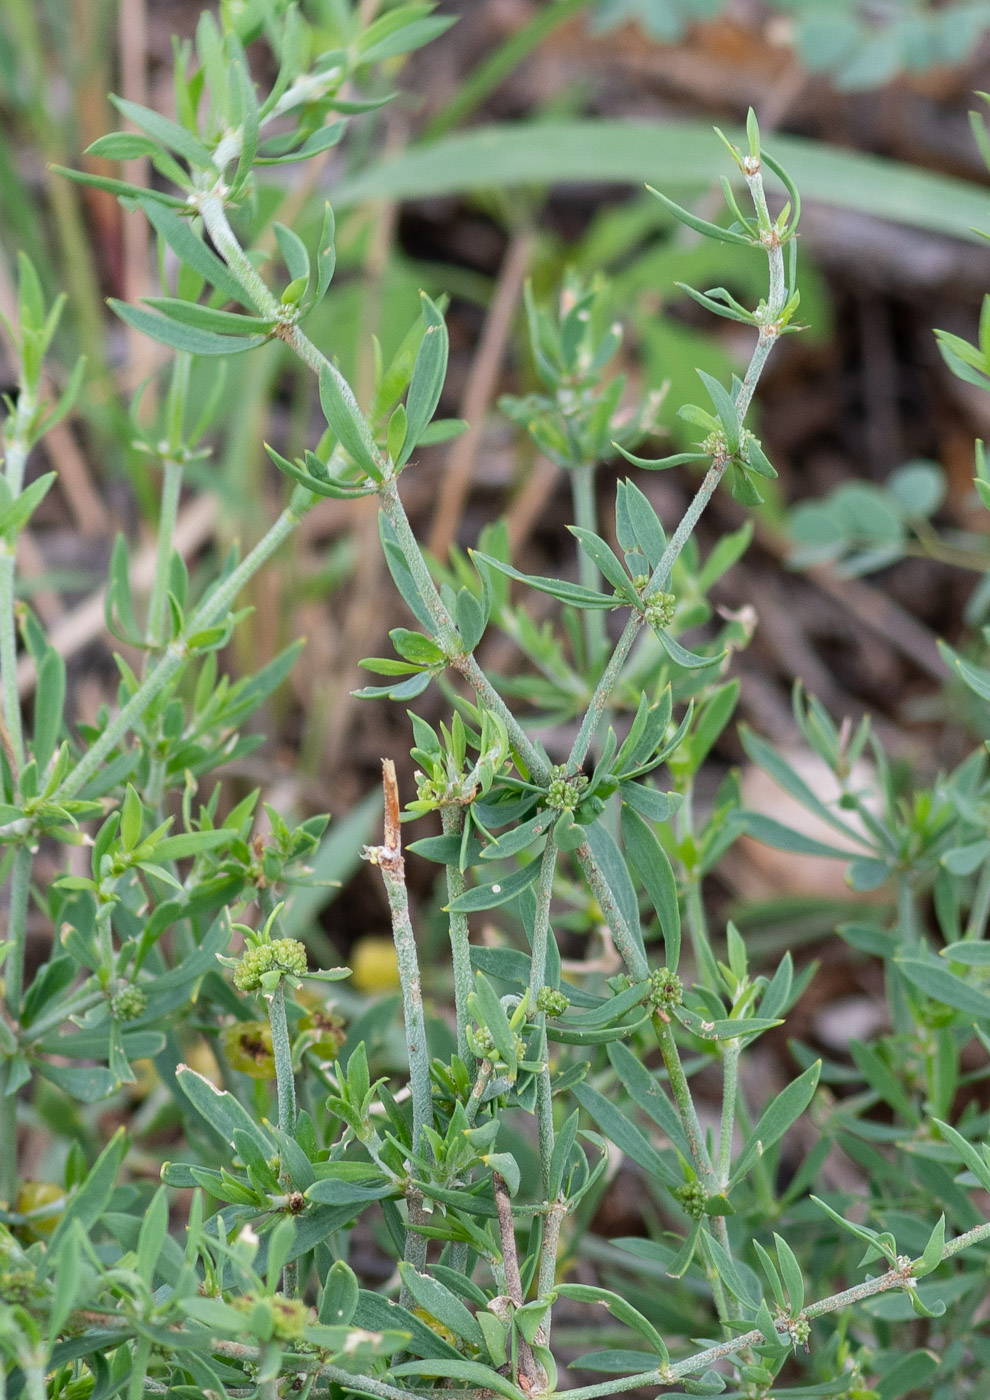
530 1372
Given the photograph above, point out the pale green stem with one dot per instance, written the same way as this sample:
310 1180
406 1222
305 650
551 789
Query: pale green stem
207 614
452 819
730 1088
629 950
285 1086
485 1071
157 604
13 967
16 447
388 858
701 1360
586 516
685 1103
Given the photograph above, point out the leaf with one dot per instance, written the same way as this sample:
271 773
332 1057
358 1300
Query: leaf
620 1309
204 318
785 1109
339 1298
767 758
347 422
193 252
572 593
221 1110
166 133
631 152
690 660
791 1274
728 414
23 506
966 1152
618 1129
93 1196
937 982
605 561
647 1093
181 337
426 384
498 892
440 1303
650 864
784 838
615 872
482 1377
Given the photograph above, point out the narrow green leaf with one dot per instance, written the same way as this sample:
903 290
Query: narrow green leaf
647 1093
426 384
651 866
785 1109
618 1129
193 252
620 1309
180 337
791 1273
498 892
572 593
347 422
937 982
690 660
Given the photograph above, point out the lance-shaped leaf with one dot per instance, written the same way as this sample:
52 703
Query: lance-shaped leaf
426 384
440 1303
653 869
618 1129
728 414
605 561
573 593
690 660
785 1109
167 133
620 1309
937 982
183 337
498 892
347 422
702 226
192 251
190 313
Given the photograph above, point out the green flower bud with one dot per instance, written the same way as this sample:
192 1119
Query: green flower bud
127 1002
666 988
284 957
693 1197
552 1002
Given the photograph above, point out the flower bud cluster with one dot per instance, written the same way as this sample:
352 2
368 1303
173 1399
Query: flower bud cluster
552 1002
285 956
127 1002
693 1197
565 792
660 609
666 988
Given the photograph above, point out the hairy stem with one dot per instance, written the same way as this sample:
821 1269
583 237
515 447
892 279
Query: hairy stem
452 820
388 858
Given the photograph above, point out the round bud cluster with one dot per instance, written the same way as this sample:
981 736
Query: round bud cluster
552 1002
564 792
666 988
127 1002
289 1316
800 1331
660 609
286 956
693 1197
17 1286
482 1043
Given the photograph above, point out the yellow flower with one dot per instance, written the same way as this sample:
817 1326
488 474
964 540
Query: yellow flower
374 964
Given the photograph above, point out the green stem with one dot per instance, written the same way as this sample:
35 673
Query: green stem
629 949
210 611
20 892
155 632
730 1088
586 516
388 858
685 1104
452 819
701 1360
